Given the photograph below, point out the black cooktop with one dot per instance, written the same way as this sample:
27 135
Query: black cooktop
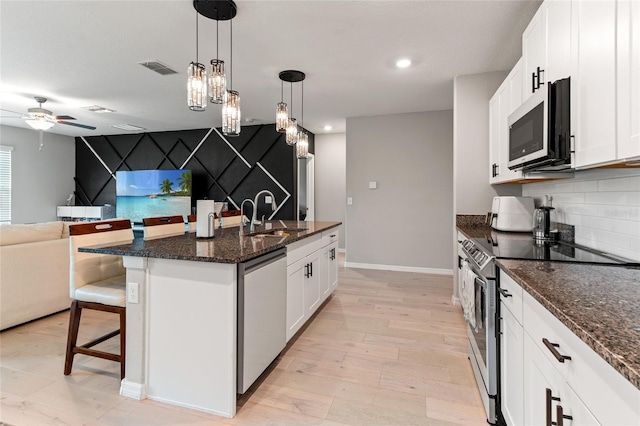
523 246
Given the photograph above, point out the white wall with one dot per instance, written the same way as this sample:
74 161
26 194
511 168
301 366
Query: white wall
603 205
471 94
40 180
405 223
331 180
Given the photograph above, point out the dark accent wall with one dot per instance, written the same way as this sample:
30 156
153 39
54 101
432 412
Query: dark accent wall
218 173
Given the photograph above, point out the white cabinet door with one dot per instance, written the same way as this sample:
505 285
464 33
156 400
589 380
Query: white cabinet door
312 274
295 297
593 82
558 40
628 33
511 368
545 391
333 267
515 87
494 136
533 53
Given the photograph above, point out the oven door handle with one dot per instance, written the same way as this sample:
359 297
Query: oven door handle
480 281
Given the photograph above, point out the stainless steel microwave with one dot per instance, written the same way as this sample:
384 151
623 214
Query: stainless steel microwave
540 130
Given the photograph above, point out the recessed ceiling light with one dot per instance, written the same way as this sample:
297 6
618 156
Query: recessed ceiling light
327 127
403 63
128 127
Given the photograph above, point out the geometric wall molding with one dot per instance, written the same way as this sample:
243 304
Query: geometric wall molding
223 169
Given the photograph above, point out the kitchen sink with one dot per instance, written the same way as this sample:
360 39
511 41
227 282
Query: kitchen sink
278 232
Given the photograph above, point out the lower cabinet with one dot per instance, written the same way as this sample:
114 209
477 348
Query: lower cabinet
511 368
312 274
549 400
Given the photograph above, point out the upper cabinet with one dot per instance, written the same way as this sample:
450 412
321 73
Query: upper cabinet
593 82
628 79
546 46
507 98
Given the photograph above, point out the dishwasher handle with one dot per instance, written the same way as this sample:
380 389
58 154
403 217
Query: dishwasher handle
262 261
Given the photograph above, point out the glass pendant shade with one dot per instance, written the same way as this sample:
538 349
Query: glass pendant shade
282 117
302 147
231 114
196 87
217 82
40 123
292 132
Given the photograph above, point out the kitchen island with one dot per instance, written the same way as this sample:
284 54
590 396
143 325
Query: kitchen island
182 311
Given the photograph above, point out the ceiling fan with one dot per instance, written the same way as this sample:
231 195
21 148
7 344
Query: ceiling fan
42 119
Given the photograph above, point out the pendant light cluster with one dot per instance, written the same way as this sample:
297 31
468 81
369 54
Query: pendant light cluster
199 84
294 134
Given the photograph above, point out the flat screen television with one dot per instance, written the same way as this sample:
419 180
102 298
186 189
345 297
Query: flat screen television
152 193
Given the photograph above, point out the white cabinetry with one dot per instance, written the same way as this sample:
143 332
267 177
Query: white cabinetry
560 375
511 351
85 212
507 98
593 82
628 34
546 46
311 277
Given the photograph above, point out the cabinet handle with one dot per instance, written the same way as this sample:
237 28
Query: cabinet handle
549 413
332 235
306 273
552 347
533 82
560 416
505 293
311 269
540 82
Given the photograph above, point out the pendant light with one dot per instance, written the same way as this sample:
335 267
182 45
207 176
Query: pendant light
217 79
231 105
196 82
282 114
291 76
302 145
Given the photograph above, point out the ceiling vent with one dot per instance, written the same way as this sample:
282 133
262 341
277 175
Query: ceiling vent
128 127
158 67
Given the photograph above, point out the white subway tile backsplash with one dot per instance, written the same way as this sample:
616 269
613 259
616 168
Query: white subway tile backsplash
602 204
631 183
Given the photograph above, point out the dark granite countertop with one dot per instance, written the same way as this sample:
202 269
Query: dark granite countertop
600 304
225 247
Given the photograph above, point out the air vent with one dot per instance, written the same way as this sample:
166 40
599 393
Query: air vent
128 127
98 109
158 67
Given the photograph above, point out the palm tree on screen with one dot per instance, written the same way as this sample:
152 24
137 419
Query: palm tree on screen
165 186
184 181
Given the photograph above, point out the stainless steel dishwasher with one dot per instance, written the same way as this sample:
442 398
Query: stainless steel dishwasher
262 307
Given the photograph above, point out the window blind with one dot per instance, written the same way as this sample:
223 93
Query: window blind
5 184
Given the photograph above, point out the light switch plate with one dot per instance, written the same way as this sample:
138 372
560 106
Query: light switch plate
349 201
373 184
133 293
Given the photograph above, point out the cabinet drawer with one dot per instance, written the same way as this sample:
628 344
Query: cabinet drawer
330 236
612 399
511 295
302 248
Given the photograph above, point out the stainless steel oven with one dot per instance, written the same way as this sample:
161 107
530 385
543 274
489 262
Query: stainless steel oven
483 347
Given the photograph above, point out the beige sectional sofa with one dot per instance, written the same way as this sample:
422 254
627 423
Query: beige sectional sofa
34 271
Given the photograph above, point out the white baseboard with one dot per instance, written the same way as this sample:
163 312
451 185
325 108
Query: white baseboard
191 406
455 301
399 268
132 390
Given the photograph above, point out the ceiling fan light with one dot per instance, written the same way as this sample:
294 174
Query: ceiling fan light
302 147
196 87
39 123
292 132
231 114
282 117
217 82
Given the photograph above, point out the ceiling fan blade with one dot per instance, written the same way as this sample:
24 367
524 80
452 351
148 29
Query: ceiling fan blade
21 114
63 117
11 116
84 126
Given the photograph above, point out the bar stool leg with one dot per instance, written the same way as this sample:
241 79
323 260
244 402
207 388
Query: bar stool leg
123 341
74 324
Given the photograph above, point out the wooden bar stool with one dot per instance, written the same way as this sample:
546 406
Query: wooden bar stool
97 281
163 226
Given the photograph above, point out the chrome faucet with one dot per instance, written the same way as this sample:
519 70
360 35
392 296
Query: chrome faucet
254 217
251 226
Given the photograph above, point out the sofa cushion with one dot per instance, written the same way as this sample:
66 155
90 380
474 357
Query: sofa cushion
20 234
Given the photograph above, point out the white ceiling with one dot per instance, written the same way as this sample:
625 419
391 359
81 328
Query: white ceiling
81 53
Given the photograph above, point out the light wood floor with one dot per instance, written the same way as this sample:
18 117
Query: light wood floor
387 349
